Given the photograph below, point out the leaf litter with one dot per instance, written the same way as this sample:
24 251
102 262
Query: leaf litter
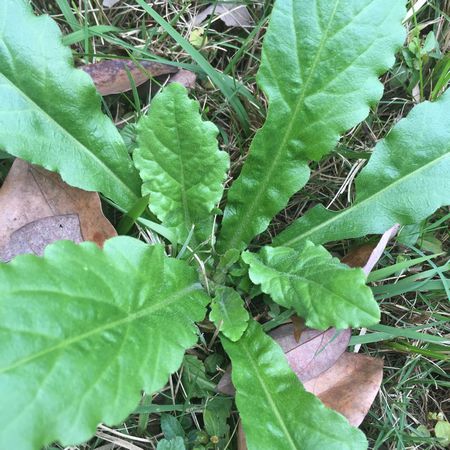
113 76
231 14
38 208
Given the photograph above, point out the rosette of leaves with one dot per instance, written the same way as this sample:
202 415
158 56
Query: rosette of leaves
84 330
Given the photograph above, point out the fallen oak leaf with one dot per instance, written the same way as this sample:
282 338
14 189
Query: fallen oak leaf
112 76
313 354
35 236
349 386
30 194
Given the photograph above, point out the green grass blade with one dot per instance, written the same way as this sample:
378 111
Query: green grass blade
225 84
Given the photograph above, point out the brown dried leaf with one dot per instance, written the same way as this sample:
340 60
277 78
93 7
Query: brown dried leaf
241 442
185 78
358 256
232 15
313 354
350 386
367 255
37 207
35 236
111 77
299 326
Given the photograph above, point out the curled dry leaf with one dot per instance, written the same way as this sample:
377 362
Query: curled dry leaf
184 77
350 386
232 15
111 76
315 352
37 208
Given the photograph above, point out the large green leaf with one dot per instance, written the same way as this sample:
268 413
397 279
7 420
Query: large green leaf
180 164
319 69
83 331
276 412
407 179
50 112
324 291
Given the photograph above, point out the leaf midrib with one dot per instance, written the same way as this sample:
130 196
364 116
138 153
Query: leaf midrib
249 212
351 209
274 406
65 132
186 212
275 409
163 303
280 275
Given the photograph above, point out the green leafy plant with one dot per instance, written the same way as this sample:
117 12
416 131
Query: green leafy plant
85 330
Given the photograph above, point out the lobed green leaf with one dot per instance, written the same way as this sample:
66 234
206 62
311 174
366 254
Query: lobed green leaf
319 69
180 164
322 290
406 180
275 410
50 112
228 313
84 330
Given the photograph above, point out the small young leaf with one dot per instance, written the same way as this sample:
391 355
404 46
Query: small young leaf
276 411
50 114
228 312
320 65
171 427
442 432
171 444
195 381
215 416
78 325
322 290
180 164
406 180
